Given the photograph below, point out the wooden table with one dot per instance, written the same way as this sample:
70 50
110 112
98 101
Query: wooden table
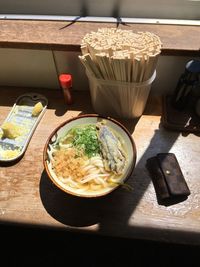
67 36
28 197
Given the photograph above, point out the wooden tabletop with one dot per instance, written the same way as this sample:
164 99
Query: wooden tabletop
28 197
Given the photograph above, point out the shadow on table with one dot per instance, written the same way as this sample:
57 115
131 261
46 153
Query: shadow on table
112 212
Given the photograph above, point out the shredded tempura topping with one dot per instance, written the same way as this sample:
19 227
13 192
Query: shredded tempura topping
67 163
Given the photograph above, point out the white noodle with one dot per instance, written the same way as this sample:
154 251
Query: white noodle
95 176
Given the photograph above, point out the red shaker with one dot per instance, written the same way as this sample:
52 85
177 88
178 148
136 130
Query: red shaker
66 85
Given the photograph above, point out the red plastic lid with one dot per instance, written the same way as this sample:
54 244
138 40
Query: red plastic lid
65 80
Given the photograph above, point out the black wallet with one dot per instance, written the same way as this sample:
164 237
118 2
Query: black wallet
167 177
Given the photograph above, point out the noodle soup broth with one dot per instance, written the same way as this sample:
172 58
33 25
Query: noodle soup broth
89 155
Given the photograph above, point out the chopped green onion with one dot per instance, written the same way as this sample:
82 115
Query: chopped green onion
85 138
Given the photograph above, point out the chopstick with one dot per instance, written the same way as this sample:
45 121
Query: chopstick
122 55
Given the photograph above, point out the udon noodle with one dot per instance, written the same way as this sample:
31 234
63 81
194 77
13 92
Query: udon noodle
89 158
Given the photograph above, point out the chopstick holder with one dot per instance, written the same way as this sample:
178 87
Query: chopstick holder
167 177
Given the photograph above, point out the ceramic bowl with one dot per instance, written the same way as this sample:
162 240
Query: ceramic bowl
62 129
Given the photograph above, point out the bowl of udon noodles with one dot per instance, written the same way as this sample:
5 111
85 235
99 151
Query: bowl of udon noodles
89 155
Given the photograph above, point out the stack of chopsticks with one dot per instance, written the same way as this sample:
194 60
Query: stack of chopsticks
121 55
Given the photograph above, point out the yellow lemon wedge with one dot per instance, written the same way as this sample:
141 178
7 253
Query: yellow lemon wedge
37 109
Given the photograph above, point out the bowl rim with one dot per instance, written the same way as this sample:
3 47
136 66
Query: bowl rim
92 115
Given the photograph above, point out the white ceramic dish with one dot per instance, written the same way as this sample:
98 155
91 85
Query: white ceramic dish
62 129
21 115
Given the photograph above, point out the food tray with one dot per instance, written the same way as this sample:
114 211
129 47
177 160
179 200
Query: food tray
21 115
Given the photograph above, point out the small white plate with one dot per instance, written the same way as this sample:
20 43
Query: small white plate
21 115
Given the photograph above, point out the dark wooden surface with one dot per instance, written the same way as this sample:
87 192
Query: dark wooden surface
28 197
63 35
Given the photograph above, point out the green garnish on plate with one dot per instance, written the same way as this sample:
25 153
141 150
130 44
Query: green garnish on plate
85 138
